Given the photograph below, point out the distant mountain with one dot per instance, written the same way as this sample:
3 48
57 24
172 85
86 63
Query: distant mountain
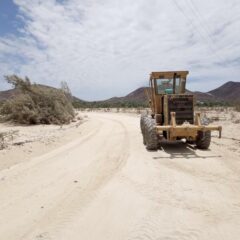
137 96
229 91
4 95
8 94
203 97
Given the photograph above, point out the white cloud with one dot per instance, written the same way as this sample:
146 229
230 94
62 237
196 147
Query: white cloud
104 48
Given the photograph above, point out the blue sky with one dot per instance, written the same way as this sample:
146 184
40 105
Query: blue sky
106 48
9 22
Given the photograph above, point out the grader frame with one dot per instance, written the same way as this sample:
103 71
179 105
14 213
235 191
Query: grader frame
172 112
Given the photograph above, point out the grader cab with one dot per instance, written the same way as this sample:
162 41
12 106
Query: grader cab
172 113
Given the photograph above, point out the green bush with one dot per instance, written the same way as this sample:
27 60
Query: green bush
37 104
102 104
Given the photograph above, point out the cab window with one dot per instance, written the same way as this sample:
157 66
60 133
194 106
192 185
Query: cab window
164 86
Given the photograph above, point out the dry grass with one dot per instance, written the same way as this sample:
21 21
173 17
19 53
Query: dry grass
5 137
237 107
36 104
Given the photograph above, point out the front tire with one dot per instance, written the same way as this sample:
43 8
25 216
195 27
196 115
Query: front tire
203 139
142 122
151 134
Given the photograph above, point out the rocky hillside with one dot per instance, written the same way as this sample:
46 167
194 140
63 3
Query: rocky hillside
229 91
4 95
7 94
136 96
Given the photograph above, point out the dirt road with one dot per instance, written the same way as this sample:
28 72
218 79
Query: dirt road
105 185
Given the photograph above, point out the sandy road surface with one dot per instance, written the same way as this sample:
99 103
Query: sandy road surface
105 185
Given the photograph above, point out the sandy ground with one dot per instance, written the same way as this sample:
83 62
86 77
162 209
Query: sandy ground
26 142
102 184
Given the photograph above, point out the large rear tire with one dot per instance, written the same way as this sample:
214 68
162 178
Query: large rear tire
143 126
203 139
142 122
151 134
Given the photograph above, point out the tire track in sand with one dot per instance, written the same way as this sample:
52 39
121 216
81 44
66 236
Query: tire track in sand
98 173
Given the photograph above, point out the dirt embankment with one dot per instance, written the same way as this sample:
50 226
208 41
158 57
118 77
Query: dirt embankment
21 143
103 184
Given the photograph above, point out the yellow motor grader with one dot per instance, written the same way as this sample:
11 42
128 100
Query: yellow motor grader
172 113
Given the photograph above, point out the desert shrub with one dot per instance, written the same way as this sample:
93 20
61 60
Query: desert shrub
2 142
101 104
37 104
5 137
237 107
236 121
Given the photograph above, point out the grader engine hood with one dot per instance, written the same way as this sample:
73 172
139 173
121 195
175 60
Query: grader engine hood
182 105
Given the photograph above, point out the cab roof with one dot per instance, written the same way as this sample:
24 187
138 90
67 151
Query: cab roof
169 74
